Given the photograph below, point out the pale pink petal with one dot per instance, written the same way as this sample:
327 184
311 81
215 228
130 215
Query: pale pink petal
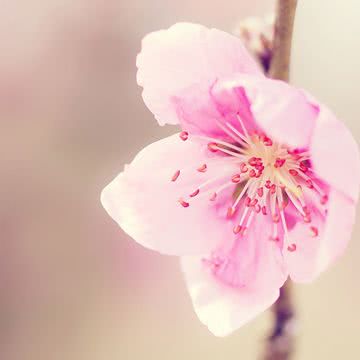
144 201
209 113
335 154
233 295
321 242
280 110
274 107
197 113
186 56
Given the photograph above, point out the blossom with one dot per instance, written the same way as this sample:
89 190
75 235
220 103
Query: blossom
260 184
257 35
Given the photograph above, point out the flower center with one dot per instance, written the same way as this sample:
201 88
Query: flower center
269 177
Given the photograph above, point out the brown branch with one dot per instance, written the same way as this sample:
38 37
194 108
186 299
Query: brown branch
280 62
281 342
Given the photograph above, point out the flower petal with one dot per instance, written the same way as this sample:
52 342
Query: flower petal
283 112
321 242
335 154
208 113
229 297
145 202
184 56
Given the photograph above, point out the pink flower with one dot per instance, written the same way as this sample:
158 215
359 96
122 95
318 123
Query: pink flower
261 183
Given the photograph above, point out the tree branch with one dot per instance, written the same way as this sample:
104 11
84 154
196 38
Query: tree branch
280 63
280 344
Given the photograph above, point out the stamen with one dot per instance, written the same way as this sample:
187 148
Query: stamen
315 186
243 126
183 203
245 212
309 183
297 205
260 191
196 192
215 178
217 191
213 196
230 212
274 236
314 231
242 194
236 178
213 147
241 136
283 204
267 141
238 228
243 168
292 247
227 131
275 239
250 218
279 163
273 212
221 188
184 135
202 168
219 142
176 175
253 161
324 199
253 202
303 167
281 208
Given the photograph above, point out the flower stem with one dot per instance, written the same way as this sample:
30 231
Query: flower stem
281 342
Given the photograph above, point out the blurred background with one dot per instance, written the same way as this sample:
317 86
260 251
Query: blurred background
73 285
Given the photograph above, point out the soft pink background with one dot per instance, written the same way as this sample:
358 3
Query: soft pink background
73 285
